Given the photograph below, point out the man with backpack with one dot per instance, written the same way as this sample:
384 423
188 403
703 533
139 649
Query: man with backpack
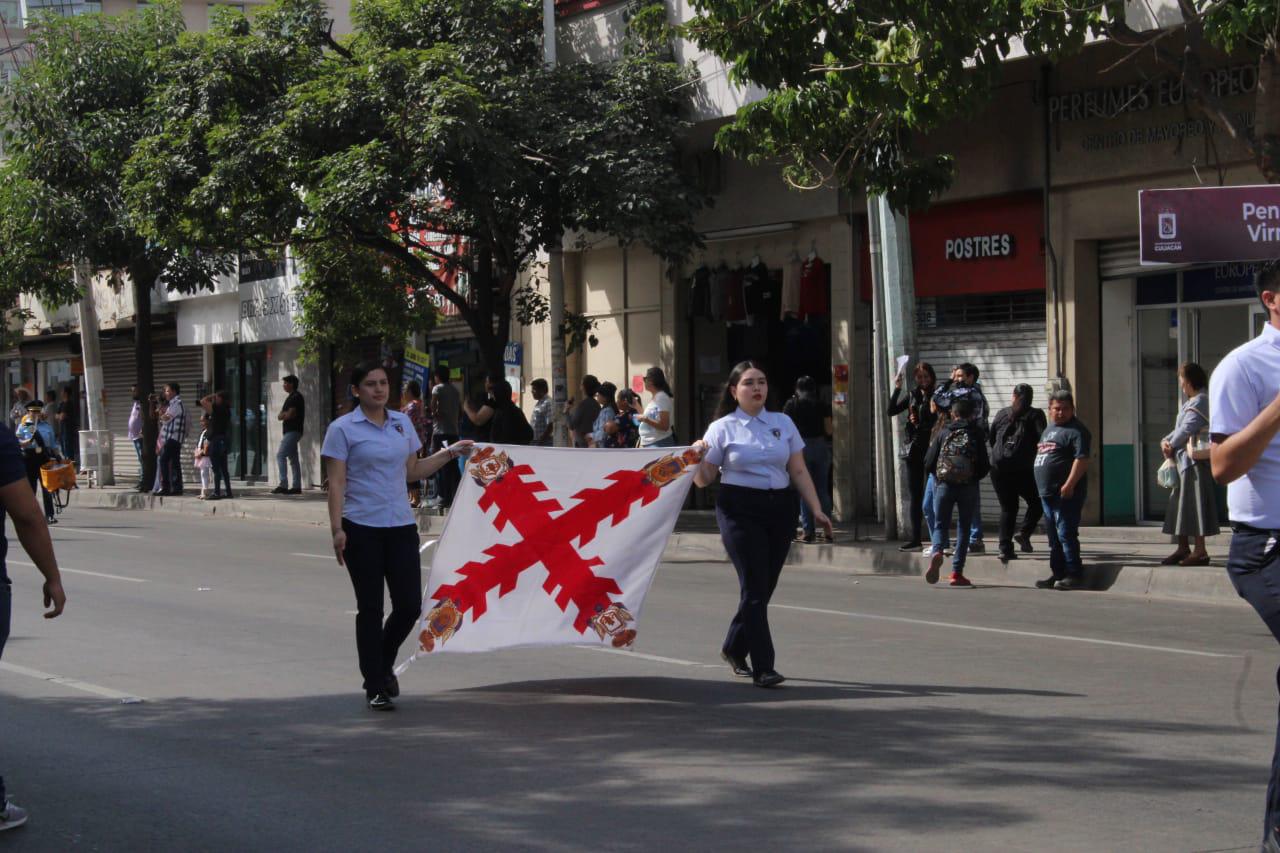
958 459
1014 437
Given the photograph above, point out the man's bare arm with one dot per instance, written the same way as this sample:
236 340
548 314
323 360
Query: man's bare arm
33 533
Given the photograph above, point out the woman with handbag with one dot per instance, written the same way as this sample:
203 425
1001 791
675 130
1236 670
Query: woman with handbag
1193 506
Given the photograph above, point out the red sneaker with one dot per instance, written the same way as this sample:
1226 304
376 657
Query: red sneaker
958 579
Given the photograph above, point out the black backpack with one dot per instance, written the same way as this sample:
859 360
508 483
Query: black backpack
958 458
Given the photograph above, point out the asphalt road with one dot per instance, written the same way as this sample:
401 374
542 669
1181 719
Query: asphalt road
914 718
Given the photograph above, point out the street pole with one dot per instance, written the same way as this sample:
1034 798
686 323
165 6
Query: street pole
900 331
91 352
886 504
555 271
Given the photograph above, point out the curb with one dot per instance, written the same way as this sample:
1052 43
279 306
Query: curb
1200 584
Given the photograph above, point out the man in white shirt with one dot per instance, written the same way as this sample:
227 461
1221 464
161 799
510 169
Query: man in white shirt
1244 423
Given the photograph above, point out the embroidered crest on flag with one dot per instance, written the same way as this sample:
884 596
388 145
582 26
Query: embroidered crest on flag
549 546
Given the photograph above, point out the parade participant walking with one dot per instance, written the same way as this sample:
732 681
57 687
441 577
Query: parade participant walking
812 418
759 457
1061 466
292 417
1193 507
17 503
1244 428
1014 439
655 419
446 410
370 454
958 458
173 431
38 445
920 421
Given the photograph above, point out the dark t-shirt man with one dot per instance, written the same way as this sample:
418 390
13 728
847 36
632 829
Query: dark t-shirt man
809 416
582 420
1059 448
294 401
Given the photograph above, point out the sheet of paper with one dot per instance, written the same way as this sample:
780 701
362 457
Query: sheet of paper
903 361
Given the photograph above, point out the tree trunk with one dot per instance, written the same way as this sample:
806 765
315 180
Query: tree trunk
491 345
1266 126
143 276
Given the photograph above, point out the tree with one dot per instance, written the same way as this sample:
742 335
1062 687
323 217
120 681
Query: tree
72 118
432 151
853 87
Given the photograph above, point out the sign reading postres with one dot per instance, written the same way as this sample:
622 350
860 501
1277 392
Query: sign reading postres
1209 224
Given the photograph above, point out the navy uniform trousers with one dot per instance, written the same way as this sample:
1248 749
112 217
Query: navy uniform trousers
756 526
1254 567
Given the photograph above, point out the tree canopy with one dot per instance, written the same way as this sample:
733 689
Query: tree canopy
854 86
435 125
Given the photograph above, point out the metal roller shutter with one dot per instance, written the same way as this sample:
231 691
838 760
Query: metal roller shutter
1005 354
184 365
1119 259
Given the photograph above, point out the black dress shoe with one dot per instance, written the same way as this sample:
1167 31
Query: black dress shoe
1047 583
738 665
1024 543
381 702
1069 582
279 490
393 686
910 546
768 679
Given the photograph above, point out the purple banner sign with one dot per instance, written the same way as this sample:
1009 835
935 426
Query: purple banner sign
1210 224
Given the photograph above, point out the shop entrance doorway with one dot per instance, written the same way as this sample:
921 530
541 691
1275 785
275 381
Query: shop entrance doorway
241 371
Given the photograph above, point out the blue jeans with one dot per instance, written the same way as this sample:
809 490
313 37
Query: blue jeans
288 453
927 509
1253 564
218 458
948 497
171 467
975 530
1062 519
817 458
669 441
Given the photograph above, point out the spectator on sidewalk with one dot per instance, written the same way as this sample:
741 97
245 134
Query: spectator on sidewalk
69 424
508 425
21 396
173 431
135 432
201 460
1193 507
479 410
920 421
958 456
51 408
292 417
1244 427
542 412
582 416
446 410
1061 469
418 415
964 382
624 431
34 536
655 421
607 397
812 418
370 453
1014 440
219 436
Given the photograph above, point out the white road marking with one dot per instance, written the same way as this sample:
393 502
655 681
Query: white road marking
312 556
99 532
1007 631
74 684
85 572
641 655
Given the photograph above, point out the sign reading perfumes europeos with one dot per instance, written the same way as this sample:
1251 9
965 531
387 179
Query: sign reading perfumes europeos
1209 224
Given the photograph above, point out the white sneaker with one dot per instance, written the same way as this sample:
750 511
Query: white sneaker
12 816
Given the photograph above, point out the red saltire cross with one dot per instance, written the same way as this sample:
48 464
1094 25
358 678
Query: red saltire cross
549 540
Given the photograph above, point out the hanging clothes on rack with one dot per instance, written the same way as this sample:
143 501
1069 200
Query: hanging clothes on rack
814 284
735 303
700 294
791 287
715 298
762 294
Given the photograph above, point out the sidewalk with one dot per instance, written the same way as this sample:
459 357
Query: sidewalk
1117 559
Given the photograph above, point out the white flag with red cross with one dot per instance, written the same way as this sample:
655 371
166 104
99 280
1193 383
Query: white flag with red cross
551 546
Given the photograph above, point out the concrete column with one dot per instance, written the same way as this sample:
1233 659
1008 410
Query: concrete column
846 246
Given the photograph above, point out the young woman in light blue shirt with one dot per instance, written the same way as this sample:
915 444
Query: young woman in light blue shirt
759 458
371 454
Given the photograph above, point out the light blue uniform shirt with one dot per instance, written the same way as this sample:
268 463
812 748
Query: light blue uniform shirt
1244 384
377 495
753 452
